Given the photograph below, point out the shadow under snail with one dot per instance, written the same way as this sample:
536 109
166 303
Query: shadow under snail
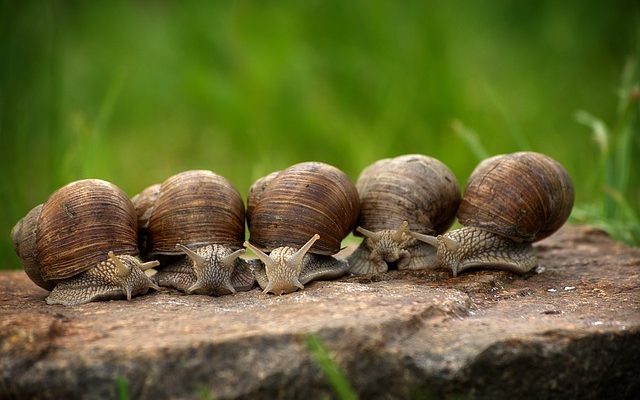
297 219
201 215
81 245
510 201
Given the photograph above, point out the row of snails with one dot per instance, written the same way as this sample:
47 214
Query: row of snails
299 218
82 244
409 202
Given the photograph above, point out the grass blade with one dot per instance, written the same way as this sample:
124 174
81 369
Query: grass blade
625 129
598 128
336 378
122 386
602 136
618 216
471 138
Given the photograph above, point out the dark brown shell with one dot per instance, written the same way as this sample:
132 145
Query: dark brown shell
524 196
303 200
196 208
79 224
414 188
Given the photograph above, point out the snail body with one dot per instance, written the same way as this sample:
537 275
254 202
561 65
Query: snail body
297 219
81 245
400 196
510 201
197 219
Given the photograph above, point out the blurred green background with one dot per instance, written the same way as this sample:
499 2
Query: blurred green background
134 92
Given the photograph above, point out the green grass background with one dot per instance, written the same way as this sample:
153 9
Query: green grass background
134 92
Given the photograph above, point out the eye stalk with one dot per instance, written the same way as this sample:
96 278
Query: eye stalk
283 266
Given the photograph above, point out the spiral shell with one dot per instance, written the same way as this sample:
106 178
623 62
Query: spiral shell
524 196
74 230
303 200
195 208
414 188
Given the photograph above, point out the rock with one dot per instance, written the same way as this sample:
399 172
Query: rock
569 330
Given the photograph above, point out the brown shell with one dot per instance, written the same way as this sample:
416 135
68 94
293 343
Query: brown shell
255 192
414 188
79 224
303 200
196 208
524 196
23 236
144 202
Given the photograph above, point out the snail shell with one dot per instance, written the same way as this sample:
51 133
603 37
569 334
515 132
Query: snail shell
195 208
414 188
200 214
308 207
523 196
509 202
23 236
68 237
409 193
303 200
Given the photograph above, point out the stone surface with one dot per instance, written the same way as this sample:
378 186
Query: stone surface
571 329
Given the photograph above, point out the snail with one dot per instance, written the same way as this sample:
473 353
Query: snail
201 215
399 196
81 245
297 219
510 201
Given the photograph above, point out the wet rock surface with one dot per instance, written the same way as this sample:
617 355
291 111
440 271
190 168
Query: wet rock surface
571 329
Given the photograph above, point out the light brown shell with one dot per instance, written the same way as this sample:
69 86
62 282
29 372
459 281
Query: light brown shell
196 208
255 192
414 188
300 201
74 230
524 196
